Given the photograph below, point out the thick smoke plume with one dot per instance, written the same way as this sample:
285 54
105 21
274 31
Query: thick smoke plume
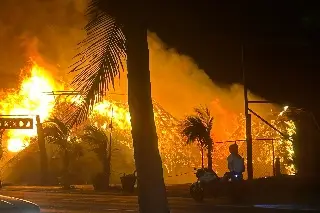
47 31
34 28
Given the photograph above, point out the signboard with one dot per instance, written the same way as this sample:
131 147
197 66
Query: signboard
16 123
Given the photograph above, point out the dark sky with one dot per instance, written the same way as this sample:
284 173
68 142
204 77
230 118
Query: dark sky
281 44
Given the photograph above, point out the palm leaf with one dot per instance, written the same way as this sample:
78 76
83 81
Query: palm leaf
197 128
193 129
99 61
56 131
94 135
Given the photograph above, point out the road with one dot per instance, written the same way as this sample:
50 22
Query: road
79 203
93 203
61 202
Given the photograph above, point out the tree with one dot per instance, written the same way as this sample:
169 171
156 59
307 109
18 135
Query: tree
116 33
98 141
56 132
197 128
42 152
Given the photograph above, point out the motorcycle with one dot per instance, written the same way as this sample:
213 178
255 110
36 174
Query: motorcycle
210 184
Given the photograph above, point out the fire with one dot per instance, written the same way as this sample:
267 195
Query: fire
28 100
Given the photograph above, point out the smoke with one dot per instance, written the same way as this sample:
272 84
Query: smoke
48 31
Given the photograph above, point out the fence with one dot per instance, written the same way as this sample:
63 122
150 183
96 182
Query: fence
264 154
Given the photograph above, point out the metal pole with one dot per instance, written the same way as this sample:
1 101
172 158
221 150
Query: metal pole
248 120
273 168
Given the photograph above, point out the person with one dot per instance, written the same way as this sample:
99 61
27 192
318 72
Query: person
235 163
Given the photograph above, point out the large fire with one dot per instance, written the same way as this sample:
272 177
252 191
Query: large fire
29 99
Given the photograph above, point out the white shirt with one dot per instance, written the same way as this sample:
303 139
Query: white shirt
235 163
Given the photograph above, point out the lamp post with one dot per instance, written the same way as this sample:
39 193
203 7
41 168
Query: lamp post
248 120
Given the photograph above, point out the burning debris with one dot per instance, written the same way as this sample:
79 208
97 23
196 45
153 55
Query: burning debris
177 157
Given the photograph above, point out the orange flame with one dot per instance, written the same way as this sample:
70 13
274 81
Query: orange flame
29 100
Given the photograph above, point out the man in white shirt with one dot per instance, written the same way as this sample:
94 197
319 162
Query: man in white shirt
235 163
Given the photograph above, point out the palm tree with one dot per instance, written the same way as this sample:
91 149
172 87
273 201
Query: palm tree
114 33
42 152
57 132
197 128
98 141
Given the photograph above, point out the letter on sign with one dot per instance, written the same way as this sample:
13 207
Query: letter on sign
16 123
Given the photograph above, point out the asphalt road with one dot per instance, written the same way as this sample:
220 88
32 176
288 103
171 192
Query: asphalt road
80 203
76 203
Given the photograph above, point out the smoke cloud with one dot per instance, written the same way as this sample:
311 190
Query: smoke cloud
48 31
33 28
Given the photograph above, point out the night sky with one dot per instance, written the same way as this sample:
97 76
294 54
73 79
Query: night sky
281 44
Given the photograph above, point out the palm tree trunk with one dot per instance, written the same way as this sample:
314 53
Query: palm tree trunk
66 159
202 157
43 152
107 166
210 147
151 188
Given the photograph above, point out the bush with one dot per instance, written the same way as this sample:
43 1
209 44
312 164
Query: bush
100 182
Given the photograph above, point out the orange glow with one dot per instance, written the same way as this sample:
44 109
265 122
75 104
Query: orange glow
29 100
176 155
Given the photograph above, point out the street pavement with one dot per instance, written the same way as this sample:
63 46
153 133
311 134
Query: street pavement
76 203
63 202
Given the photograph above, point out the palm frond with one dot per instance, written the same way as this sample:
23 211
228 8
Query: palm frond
99 61
59 124
197 128
94 136
193 129
52 132
56 131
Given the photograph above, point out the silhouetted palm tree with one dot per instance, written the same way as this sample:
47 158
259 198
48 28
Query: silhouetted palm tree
197 128
115 33
57 132
98 141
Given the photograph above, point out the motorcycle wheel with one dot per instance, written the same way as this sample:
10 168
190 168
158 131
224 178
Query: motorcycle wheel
197 192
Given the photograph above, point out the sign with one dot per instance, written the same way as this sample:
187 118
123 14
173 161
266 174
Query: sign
16 123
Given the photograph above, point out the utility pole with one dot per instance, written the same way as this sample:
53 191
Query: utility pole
248 120
110 146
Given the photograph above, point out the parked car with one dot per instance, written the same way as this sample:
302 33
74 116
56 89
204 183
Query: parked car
16 205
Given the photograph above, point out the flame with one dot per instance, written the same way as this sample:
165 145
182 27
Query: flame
29 100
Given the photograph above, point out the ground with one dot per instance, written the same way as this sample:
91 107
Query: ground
55 200
76 202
